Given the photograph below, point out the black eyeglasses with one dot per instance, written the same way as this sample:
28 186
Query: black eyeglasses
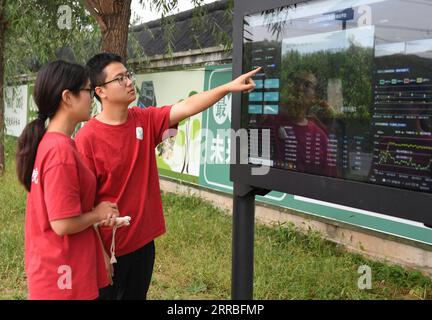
91 91
121 79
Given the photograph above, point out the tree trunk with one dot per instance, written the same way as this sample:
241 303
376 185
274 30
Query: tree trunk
2 124
112 17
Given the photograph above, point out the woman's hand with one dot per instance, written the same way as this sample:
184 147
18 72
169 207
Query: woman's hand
107 213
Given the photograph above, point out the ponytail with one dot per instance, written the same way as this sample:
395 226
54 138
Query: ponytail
28 143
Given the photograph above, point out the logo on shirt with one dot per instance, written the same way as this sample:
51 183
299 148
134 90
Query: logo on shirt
64 282
139 133
35 176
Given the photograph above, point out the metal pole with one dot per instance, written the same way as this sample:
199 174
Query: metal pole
243 247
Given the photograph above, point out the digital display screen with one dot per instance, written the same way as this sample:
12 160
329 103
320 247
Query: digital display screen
345 91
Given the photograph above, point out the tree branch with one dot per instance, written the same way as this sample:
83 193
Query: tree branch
95 9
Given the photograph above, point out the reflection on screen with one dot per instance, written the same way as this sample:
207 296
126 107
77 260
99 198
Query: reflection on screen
346 89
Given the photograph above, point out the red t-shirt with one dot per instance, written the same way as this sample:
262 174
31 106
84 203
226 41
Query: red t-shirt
70 266
123 159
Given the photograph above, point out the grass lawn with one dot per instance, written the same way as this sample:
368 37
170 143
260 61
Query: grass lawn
193 259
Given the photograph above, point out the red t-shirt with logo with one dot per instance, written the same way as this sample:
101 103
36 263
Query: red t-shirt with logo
123 159
70 266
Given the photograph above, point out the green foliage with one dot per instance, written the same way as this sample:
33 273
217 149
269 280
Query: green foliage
34 36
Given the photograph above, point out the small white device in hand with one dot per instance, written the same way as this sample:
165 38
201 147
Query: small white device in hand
120 221
123 220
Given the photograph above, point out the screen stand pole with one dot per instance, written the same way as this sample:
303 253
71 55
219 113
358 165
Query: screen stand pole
243 241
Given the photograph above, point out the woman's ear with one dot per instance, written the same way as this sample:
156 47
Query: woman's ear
66 97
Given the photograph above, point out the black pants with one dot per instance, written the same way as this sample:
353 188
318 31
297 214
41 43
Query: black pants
132 275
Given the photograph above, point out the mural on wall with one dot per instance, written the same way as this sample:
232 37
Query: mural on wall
178 156
15 112
189 130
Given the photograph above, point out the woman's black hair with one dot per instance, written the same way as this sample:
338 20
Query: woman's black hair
52 79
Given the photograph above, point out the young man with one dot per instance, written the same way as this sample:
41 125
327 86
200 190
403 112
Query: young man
119 147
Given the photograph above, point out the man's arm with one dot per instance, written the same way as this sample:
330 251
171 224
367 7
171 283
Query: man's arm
201 101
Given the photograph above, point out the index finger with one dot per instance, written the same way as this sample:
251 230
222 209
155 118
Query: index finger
255 71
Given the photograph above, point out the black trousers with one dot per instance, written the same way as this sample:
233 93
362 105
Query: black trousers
132 275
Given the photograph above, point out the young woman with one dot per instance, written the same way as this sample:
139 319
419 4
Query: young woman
63 254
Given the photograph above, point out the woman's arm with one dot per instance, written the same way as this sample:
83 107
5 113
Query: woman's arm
104 211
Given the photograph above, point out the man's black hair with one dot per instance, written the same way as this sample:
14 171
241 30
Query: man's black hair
96 66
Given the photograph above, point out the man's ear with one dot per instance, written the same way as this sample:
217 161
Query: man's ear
100 92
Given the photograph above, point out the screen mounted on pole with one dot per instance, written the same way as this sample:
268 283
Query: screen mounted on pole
345 95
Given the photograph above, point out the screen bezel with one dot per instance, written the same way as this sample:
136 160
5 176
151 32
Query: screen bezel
407 204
